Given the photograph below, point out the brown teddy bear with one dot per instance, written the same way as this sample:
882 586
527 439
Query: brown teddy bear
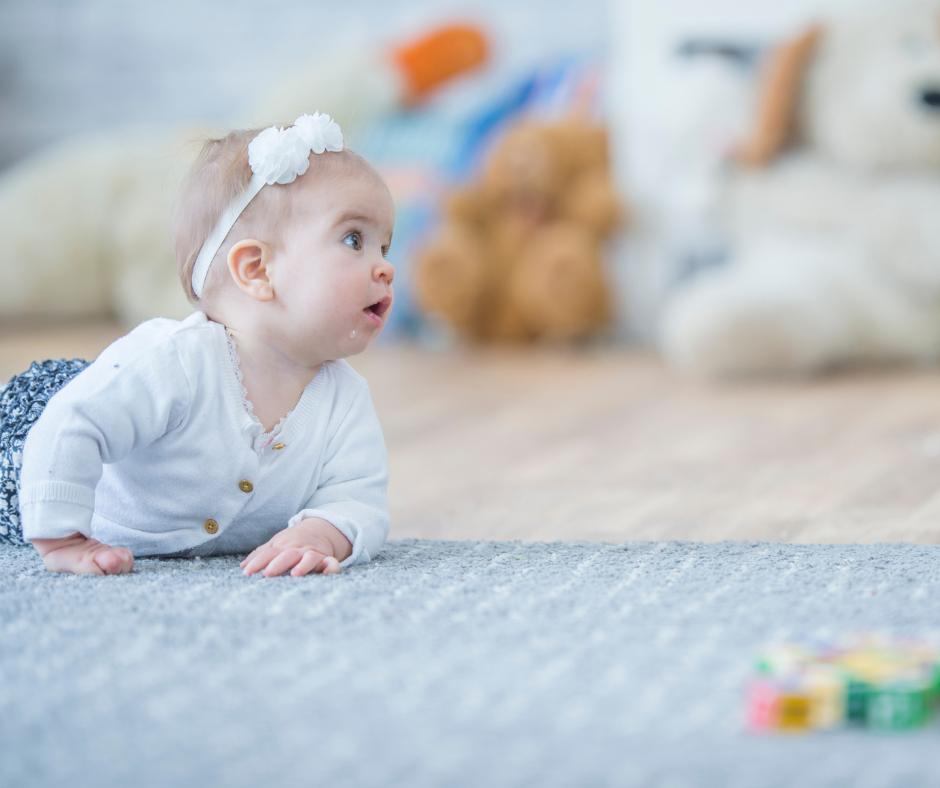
519 253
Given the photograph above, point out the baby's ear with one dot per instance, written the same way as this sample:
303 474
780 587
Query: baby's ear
778 100
248 265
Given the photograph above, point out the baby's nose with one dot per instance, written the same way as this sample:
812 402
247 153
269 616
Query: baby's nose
386 271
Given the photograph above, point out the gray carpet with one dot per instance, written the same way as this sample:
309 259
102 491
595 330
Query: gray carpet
445 664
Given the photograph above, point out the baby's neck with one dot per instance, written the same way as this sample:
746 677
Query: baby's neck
274 383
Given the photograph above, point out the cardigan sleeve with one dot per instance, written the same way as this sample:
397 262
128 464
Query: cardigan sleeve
353 483
133 393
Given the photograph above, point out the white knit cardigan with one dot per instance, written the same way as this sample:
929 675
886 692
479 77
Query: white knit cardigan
151 448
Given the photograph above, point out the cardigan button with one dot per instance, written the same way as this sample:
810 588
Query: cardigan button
278 446
245 486
211 526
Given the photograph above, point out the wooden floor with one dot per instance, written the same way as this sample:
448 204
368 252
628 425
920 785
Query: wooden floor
609 445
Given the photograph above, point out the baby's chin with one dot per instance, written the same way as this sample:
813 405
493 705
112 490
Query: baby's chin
359 339
351 343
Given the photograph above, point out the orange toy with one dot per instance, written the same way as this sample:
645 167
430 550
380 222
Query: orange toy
519 254
437 57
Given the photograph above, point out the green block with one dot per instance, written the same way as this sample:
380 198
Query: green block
899 707
856 701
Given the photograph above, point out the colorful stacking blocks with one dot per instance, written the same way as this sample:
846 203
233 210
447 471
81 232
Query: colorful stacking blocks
877 682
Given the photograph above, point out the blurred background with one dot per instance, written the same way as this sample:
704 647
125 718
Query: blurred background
601 206
74 67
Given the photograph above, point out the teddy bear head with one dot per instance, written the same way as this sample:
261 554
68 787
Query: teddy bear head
863 90
532 167
872 96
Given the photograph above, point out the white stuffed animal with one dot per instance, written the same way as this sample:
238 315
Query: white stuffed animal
836 242
85 225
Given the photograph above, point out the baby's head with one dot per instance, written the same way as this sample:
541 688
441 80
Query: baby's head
304 263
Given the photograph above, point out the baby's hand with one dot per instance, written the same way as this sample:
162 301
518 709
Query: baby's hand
313 545
83 556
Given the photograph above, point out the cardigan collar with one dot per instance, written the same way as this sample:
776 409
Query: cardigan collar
249 426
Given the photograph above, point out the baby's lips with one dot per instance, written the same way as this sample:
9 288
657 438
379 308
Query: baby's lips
381 306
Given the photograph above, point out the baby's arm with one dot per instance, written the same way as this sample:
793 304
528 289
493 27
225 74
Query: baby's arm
346 520
132 394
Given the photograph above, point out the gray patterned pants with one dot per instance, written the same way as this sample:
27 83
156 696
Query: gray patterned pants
22 400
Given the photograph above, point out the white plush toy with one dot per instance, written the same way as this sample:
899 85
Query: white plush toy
85 225
836 240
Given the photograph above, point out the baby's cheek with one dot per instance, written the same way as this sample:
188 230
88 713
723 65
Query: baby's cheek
324 307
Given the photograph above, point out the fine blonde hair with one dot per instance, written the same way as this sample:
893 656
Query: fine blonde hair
216 178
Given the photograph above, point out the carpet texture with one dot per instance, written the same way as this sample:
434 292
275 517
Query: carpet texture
446 664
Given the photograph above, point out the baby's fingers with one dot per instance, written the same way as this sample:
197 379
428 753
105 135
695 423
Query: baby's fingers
310 561
253 553
329 566
115 560
282 562
262 557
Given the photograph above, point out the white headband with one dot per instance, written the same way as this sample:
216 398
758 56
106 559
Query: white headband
275 156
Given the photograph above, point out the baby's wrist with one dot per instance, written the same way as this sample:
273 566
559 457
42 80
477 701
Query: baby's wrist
318 527
46 546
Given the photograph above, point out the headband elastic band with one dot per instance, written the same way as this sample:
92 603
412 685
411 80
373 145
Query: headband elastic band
226 223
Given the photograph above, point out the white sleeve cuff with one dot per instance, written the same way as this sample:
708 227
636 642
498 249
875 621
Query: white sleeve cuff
55 519
344 525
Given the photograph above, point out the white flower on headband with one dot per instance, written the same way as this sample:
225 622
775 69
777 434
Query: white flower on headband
280 155
320 131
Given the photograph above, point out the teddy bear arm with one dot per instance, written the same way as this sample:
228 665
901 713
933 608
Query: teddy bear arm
470 204
902 231
558 285
592 201
451 277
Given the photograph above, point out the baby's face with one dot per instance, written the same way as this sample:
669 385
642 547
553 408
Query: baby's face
330 276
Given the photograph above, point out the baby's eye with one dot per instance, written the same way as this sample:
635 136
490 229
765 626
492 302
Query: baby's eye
384 251
353 241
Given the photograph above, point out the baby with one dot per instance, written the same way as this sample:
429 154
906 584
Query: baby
240 428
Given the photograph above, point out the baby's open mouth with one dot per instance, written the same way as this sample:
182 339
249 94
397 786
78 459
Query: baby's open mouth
380 307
